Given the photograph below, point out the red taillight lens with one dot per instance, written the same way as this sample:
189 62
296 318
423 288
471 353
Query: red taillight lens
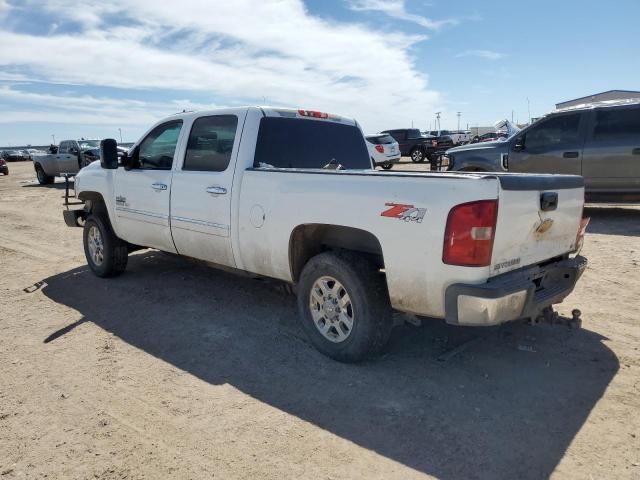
434 143
312 113
468 238
380 148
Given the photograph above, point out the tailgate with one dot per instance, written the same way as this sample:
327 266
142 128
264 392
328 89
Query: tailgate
530 229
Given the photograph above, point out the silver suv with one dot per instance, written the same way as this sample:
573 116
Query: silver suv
599 141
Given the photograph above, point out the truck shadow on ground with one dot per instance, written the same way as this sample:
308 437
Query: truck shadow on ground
506 407
613 220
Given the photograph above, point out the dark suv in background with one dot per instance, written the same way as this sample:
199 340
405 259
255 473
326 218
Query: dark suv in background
600 141
417 146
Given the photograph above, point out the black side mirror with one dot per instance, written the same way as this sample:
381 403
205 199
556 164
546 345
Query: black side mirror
518 145
109 154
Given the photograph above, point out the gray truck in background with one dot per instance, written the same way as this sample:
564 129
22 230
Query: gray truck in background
67 158
599 141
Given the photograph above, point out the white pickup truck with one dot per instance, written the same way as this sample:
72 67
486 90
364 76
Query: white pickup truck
292 195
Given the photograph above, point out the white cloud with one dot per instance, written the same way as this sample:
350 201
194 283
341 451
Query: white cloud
397 9
238 51
486 54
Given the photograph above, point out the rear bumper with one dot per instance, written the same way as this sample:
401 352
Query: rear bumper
515 295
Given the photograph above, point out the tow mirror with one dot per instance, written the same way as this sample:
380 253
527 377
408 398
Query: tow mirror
109 154
518 146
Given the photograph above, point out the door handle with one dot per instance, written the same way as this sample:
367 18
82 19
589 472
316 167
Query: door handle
635 151
570 155
158 186
217 190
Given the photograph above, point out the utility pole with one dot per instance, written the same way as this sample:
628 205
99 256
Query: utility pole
438 122
459 115
120 130
54 138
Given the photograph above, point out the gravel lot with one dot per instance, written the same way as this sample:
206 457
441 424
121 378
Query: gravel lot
174 370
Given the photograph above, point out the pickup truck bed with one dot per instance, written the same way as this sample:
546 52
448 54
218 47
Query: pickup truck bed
474 249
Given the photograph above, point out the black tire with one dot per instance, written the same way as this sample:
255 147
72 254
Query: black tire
417 155
387 166
115 252
43 178
367 290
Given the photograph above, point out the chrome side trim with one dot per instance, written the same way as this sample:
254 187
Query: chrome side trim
200 222
142 212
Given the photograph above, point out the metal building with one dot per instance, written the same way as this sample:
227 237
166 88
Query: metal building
600 97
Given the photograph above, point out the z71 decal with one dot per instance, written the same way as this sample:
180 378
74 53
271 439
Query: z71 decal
401 211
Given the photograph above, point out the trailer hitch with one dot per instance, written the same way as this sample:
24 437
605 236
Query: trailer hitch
551 317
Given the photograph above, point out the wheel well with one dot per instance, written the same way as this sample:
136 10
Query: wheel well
308 240
93 201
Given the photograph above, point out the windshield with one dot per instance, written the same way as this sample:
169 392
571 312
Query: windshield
85 144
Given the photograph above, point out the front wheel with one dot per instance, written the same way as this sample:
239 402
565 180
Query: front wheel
417 155
344 306
43 178
106 254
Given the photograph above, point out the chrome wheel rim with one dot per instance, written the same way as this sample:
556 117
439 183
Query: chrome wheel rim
416 156
40 174
331 309
96 246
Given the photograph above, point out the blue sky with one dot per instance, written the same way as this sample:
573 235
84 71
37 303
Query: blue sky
88 67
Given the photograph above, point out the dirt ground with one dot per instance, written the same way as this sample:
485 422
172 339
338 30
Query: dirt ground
174 370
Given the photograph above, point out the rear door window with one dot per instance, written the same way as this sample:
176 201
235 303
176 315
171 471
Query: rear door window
614 124
210 143
296 143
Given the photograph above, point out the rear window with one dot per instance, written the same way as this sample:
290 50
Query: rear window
381 140
296 143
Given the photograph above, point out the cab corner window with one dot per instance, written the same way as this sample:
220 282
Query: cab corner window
157 149
210 143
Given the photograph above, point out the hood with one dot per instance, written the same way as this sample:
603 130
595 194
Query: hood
498 146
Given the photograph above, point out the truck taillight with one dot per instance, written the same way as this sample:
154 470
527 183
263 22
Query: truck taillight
380 148
434 143
468 238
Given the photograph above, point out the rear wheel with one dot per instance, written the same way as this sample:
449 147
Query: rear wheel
417 155
387 166
344 306
43 178
106 254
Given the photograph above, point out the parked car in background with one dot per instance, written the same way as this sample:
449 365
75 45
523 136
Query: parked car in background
488 137
68 158
32 152
413 144
457 136
384 150
599 141
218 186
4 168
15 156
